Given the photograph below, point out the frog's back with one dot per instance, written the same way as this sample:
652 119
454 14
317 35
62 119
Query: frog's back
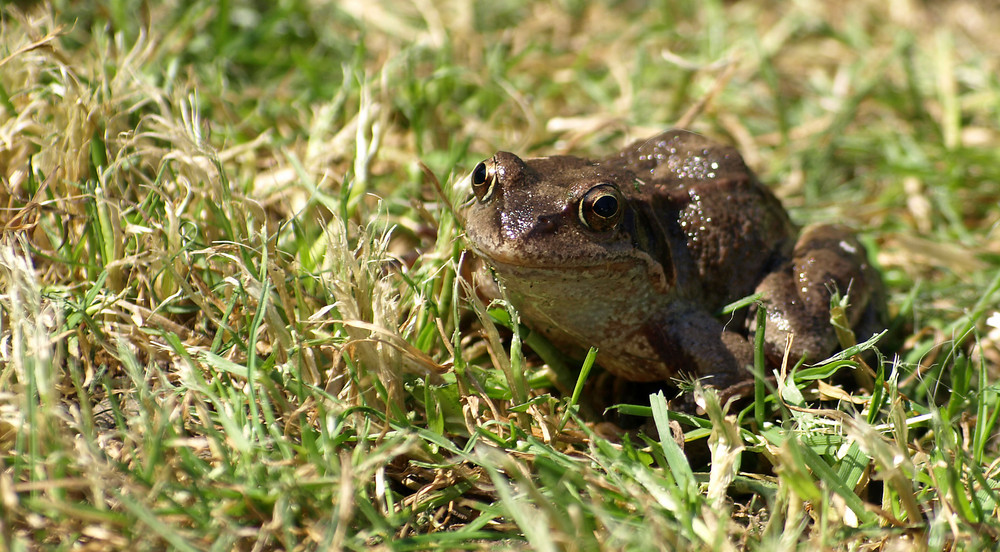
723 230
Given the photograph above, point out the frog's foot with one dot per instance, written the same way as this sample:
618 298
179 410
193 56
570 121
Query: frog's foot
826 258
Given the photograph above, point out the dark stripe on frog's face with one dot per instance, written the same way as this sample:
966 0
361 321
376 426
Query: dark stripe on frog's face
649 236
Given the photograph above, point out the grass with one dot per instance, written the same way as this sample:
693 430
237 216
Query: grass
233 312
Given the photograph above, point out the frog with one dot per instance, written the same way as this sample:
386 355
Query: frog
637 254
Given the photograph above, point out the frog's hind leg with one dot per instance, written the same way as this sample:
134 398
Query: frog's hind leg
826 258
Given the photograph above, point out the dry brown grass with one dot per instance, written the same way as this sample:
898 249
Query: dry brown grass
231 314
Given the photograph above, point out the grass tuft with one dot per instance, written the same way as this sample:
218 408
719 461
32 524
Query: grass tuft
236 308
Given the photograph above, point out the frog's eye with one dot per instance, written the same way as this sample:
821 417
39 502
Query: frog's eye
484 179
601 207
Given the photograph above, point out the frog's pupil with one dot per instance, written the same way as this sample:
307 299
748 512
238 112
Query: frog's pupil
479 174
606 206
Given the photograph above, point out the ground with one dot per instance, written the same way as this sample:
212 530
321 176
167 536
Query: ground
233 302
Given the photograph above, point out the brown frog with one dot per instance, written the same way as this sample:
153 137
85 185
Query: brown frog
637 253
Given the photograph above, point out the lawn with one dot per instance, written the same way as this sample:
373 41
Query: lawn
234 299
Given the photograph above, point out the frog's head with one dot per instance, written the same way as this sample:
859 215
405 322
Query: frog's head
549 212
561 235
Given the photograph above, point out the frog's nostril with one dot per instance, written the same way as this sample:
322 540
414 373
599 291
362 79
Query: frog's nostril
544 223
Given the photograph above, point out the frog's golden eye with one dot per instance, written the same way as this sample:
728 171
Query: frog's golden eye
484 180
601 207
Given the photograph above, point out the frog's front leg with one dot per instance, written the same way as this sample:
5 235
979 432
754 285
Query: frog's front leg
826 258
688 338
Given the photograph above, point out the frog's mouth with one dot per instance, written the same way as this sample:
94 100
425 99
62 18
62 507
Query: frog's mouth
627 269
562 269
503 265
513 261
